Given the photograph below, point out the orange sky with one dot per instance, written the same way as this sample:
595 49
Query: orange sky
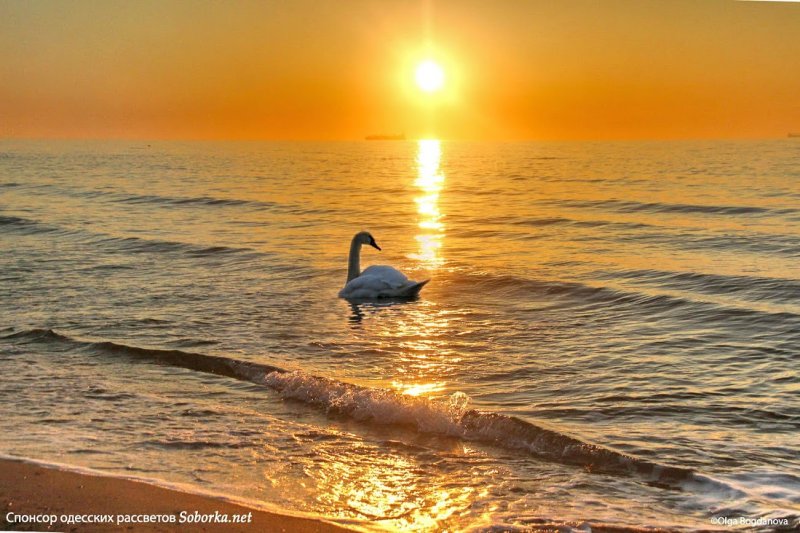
537 69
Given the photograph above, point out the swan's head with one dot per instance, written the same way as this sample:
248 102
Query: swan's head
365 237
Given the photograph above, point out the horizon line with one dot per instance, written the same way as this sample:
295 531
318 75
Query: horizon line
786 135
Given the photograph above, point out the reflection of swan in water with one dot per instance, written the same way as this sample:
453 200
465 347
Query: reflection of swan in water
361 309
377 281
357 314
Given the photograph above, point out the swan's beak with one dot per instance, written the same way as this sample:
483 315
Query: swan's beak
374 244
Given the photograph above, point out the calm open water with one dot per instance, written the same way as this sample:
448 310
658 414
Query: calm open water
611 333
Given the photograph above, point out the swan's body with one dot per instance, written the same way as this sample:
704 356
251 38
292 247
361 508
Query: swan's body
377 281
381 281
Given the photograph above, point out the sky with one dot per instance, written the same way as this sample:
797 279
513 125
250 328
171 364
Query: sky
303 69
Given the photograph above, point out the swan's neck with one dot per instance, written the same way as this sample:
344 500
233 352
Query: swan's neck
354 263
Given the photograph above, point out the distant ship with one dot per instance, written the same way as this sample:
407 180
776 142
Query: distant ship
394 137
794 135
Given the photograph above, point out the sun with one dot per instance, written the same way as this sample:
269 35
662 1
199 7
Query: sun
430 76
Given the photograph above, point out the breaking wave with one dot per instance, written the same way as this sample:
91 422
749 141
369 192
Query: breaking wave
450 418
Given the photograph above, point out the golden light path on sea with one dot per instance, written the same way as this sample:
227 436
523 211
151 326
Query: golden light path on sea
430 181
421 368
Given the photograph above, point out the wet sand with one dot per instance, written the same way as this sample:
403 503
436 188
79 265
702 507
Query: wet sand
31 490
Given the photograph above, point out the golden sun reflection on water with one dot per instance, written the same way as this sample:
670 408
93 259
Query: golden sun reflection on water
397 491
418 389
425 359
430 182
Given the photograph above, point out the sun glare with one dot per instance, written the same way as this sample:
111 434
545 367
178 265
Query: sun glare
430 76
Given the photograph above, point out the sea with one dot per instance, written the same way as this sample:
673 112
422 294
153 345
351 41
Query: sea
610 336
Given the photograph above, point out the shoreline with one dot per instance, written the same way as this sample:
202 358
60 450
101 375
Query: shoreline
30 488
31 494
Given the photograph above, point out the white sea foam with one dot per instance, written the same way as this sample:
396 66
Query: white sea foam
374 405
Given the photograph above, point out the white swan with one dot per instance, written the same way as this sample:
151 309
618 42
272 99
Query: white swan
377 281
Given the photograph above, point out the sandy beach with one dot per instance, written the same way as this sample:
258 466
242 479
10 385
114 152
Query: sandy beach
29 490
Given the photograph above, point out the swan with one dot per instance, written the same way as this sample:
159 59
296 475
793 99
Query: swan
377 281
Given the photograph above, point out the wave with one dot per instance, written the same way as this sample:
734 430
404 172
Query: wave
630 206
560 221
124 244
25 225
38 334
536 222
211 364
711 242
451 418
140 245
786 419
779 290
704 240
640 233
196 200
127 198
587 297
120 197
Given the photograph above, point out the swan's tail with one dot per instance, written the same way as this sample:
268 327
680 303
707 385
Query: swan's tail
412 291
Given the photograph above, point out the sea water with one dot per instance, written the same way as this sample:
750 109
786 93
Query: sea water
611 332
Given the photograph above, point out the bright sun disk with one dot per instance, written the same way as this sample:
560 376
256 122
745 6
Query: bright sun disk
430 76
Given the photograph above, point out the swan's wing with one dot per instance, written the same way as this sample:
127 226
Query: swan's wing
411 290
389 275
366 287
